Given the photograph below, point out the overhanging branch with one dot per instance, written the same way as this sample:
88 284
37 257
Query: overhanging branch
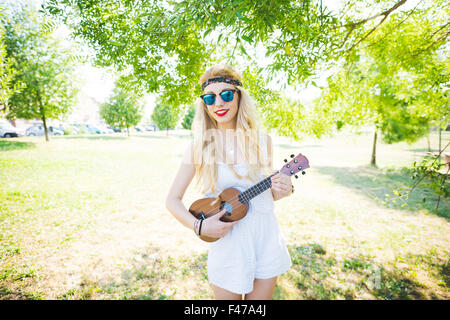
353 26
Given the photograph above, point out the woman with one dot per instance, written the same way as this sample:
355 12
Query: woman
229 150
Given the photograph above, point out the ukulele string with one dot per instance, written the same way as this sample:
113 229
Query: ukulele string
236 200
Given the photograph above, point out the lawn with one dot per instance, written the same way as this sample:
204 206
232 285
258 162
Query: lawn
83 217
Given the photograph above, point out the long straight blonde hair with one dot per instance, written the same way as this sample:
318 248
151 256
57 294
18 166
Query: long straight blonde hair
207 146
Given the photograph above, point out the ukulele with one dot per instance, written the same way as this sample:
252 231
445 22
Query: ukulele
235 202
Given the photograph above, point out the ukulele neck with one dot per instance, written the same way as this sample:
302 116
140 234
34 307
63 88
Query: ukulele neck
256 189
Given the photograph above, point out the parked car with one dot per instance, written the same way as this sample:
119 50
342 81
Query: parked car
106 129
35 130
150 127
38 130
69 129
115 129
7 130
93 129
56 131
81 128
85 128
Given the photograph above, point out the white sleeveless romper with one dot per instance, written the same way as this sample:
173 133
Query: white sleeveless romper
254 247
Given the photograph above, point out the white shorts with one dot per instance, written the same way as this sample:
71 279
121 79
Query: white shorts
253 249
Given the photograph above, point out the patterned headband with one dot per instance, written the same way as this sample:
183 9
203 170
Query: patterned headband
221 79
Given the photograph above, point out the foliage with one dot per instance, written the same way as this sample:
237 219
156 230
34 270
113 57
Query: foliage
43 69
392 83
429 174
188 118
123 110
6 70
163 117
164 46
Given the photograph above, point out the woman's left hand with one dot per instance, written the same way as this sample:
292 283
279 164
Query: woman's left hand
281 185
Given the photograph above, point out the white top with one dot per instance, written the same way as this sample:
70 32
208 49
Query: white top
254 247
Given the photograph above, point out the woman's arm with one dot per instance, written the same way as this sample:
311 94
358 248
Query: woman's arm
281 183
181 182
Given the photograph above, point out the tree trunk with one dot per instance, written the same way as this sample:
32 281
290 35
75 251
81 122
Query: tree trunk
373 160
42 112
44 121
128 131
440 139
167 131
428 142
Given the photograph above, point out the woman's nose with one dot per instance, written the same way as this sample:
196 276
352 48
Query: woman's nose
219 101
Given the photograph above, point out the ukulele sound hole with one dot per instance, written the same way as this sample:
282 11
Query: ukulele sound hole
228 207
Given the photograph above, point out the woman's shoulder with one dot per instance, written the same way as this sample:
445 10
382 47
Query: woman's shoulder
189 153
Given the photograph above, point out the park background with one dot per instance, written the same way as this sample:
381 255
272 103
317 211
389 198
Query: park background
359 87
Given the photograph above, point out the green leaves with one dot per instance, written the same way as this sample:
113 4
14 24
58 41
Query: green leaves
182 30
43 77
123 110
166 45
163 117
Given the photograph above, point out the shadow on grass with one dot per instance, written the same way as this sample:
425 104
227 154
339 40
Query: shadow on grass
10 145
378 184
150 276
317 274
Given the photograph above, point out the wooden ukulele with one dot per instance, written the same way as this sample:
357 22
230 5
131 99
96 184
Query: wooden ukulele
235 202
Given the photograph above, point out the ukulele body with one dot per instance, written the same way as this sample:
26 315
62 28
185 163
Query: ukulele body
228 199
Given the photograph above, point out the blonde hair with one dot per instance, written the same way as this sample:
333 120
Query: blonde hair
207 148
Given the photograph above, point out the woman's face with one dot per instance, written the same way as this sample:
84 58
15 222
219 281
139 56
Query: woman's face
223 112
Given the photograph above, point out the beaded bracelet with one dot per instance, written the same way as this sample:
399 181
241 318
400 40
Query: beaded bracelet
196 225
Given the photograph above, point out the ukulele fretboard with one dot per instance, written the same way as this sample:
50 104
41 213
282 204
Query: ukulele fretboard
256 189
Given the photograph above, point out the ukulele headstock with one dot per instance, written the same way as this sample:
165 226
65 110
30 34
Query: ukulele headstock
297 164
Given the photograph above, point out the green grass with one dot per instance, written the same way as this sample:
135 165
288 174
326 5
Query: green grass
83 217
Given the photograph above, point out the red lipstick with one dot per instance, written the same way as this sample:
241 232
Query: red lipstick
222 112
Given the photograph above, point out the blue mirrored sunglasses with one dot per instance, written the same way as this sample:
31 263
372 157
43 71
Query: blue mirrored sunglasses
226 95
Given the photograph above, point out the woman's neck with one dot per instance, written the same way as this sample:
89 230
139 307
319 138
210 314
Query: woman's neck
225 127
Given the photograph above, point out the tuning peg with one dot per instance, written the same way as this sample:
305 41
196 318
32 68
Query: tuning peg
303 172
296 176
292 155
285 160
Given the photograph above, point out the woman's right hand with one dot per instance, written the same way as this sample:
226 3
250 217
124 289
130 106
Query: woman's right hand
214 228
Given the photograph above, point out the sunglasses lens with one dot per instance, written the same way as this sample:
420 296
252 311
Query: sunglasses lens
209 99
227 96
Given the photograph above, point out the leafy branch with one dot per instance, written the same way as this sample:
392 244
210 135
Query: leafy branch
428 169
383 14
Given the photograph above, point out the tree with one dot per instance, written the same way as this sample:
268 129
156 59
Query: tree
162 116
44 69
6 69
188 118
166 45
123 110
392 85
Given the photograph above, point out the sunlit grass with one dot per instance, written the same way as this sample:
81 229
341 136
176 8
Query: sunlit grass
84 218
